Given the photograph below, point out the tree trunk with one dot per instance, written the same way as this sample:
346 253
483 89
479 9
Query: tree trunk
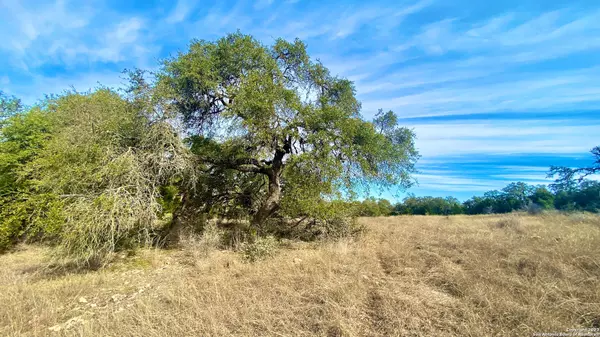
271 204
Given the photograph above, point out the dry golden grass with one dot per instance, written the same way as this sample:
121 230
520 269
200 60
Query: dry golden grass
407 276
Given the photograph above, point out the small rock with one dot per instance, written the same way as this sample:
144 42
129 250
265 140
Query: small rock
297 260
82 300
93 305
365 277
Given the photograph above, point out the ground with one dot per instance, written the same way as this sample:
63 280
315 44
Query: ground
508 275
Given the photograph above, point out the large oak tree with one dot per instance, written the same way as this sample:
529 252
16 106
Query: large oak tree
271 114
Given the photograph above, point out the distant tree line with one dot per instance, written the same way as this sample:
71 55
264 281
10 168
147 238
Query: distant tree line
571 191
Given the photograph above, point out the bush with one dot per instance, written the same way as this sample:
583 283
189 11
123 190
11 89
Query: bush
30 218
533 209
236 233
340 227
261 248
200 245
113 173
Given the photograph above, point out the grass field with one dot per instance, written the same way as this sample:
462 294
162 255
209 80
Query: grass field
510 275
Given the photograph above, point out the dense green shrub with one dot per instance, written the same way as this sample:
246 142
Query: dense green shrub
260 248
91 172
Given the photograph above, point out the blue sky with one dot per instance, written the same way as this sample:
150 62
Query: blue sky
495 91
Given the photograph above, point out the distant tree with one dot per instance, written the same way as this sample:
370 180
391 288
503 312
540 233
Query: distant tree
567 177
572 190
453 206
428 206
385 207
479 205
516 196
9 106
280 127
587 197
543 197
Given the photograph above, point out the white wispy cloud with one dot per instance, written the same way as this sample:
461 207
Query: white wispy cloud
65 34
504 137
24 28
487 78
180 12
58 84
525 168
450 183
505 33
347 21
124 36
521 92
260 4
523 177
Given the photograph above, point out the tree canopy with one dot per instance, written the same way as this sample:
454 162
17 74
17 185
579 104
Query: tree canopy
567 177
273 116
9 105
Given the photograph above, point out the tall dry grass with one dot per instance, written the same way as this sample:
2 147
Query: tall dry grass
509 275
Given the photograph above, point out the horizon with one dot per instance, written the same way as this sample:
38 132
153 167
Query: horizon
496 93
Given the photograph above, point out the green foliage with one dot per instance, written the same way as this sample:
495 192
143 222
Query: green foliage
373 207
279 129
92 172
572 190
9 106
24 212
261 248
112 164
22 137
585 197
31 218
272 136
428 206
514 197
543 197
169 198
